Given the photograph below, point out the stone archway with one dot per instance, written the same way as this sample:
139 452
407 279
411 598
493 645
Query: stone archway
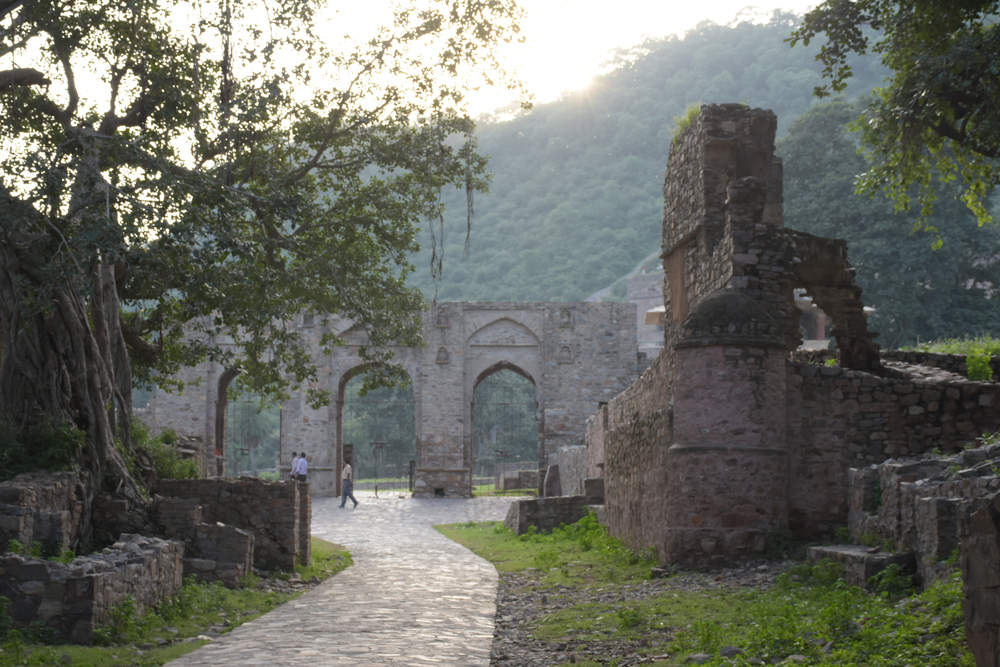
505 426
578 355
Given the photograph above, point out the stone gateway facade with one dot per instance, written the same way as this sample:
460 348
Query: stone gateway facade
577 356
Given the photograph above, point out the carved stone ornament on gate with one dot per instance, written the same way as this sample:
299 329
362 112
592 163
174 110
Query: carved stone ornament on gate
565 355
441 319
442 356
565 317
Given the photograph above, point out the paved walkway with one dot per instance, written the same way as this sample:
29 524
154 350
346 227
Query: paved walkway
412 597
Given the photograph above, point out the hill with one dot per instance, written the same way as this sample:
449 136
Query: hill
576 200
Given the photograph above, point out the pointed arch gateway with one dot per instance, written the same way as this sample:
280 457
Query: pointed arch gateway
573 355
377 431
505 427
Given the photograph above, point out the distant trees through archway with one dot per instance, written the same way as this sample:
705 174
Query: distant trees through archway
504 423
381 427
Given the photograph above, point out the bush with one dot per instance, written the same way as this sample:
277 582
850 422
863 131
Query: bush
167 461
47 447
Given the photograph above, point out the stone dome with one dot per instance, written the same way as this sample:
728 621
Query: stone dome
730 317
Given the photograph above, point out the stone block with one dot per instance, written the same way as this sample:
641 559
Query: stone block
545 513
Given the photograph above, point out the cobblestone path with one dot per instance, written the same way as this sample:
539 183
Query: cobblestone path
412 597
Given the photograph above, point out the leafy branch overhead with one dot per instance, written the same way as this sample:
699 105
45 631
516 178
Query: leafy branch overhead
223 166
937 118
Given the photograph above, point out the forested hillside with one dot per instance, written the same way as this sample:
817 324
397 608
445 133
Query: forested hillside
576 200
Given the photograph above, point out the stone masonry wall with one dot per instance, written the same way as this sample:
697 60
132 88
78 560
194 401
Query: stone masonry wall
577 355
271 511
42 507
920 505
75 598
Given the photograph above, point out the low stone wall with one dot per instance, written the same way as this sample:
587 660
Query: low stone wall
41 507
919 506
216 552
277 514
953 363
545 513
75 598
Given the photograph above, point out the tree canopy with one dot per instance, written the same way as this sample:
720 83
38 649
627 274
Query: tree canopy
919 293
937 118
177 177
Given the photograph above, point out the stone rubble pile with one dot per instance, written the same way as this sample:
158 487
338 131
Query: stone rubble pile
911 512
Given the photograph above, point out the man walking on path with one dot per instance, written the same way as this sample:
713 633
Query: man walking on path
347 480
303 468
295 466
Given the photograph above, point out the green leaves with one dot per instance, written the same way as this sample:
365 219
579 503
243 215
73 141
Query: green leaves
937 119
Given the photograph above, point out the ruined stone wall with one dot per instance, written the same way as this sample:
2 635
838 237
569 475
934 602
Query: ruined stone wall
272 512
953 363
75 598
840 418
42 507
921 505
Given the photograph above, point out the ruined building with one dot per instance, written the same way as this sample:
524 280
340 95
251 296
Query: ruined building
728 440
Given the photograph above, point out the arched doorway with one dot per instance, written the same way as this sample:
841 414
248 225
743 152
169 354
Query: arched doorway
378 432
504 428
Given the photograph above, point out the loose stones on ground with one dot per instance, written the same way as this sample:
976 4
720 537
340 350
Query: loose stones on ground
522 602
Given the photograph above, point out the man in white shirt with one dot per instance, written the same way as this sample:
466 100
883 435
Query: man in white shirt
347 482
295 466
303 467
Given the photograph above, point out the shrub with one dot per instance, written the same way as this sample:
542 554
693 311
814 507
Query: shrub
49 446
685 120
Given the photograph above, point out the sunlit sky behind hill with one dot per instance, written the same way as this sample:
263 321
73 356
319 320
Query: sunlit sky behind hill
568 40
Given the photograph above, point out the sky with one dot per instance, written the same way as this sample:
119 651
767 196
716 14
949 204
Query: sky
567 40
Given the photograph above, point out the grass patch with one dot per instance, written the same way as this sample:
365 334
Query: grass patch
978 352
580 554
810 611
492 490
131 640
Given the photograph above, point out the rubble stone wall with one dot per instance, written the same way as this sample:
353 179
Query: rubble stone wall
919 505
41 507
273 512
75 598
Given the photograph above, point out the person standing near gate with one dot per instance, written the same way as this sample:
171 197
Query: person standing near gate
295 466
302 468
347 481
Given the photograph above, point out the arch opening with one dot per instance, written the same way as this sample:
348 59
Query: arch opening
505 429
377 431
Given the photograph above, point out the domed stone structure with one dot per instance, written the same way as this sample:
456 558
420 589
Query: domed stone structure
730 317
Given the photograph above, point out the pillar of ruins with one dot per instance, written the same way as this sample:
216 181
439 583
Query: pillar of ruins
727 469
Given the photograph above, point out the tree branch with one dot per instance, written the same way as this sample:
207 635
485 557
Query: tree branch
22 77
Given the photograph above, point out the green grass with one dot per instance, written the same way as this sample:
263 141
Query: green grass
580 554
491 490
978 351
984 344
194 609
809 608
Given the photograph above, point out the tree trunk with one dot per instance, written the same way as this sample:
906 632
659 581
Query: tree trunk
66 362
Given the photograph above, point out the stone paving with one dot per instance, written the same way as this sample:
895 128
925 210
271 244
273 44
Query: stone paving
412 597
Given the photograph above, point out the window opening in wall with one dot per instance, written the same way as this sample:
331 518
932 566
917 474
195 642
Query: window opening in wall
504 433
382 426
253 437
